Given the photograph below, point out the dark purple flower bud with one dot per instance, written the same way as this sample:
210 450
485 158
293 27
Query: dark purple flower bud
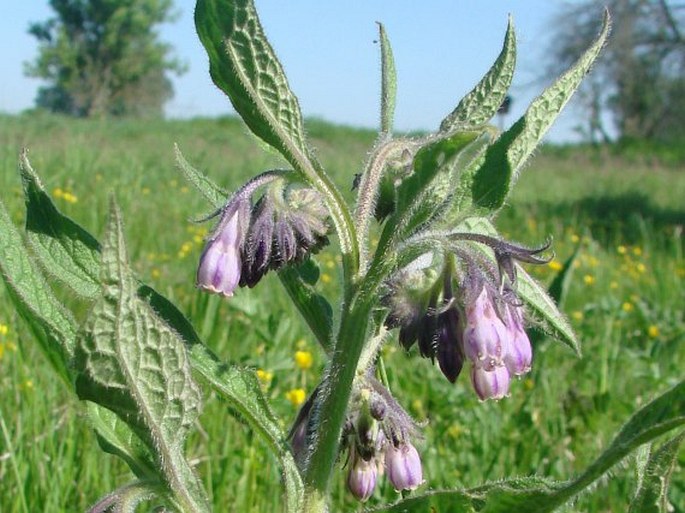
257 251
490 384
220 263
403 466
361 478
486 337
520 353
450 344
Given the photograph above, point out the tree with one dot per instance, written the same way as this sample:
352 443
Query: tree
103 57
640 78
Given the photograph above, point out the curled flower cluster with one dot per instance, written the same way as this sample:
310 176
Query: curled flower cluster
284 226
482 321
377 436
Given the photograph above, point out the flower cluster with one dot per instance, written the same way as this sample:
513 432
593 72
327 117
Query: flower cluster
283 227
482 321
377 436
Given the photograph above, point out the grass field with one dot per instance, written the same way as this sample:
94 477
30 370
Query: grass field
626 301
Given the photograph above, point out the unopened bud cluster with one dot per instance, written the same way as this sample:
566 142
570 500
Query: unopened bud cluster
469 311
378 436
283 227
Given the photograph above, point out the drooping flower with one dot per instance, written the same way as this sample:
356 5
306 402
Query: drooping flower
519 355
403 466
486 338
490 384
220 263
361 477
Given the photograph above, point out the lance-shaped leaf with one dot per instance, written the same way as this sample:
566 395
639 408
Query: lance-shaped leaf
66 251
482 103
388 81
116 437
132 363
53 325
540 495
210 190
654 477
485 186
317 312
244 66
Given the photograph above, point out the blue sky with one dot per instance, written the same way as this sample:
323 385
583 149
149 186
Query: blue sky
442 48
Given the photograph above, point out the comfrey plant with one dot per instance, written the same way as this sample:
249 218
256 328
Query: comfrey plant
438 275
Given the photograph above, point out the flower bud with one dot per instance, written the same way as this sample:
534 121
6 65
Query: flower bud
450 352
486 337
490 384
519 352
220 263
403 466
361 478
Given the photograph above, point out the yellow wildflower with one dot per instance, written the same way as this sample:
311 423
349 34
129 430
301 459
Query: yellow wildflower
296 396
577 315
653 331
4 329
264 376
326 278
155 273
588 279
575 238
621 249
637 251
304 359
555 265
627 306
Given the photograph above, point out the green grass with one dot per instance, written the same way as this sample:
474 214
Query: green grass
626 301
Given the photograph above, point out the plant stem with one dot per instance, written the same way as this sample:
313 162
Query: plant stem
335 394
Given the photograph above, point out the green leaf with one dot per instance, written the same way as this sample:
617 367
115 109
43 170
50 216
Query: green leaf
661 415
482 103
132 363
388 81
654 477
116 437
491 181
317 312
66 251
53 325
244 66
543 308
422 195
558 289
211 191
240 388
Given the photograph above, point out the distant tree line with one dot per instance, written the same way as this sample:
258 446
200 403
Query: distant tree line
104 58
640 78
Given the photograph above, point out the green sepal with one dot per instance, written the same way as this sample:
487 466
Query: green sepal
482 103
